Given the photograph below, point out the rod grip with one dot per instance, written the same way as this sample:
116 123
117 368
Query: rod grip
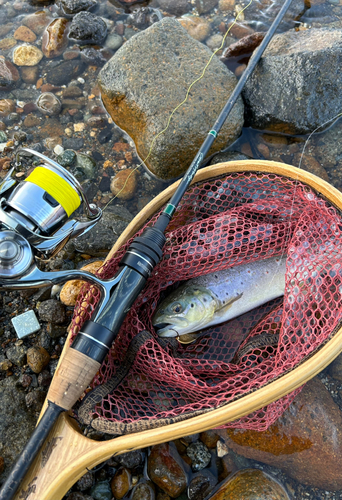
71 379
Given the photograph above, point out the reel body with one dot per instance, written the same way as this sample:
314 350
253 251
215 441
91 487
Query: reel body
35 219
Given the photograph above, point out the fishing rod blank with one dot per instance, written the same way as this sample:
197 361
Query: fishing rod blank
91 345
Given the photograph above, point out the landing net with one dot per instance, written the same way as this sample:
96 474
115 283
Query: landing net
147 381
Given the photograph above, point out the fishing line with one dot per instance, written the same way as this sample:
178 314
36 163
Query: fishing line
181 103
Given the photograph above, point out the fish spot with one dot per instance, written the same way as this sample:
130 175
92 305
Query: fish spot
192 305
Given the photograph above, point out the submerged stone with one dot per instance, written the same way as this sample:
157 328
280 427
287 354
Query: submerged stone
165 468
250 484
9 75
72 7
27 55
49 104
306 442
87 28
149 76
55 39
300 70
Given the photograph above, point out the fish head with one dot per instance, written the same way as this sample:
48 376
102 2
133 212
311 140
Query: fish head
187 309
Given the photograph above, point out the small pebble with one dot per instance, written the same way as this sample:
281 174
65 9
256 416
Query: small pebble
85 482
49 104
27 55
199 454
24 34
121 483
37 358
72 288
197 27
101 491
55 39
124 184
52 310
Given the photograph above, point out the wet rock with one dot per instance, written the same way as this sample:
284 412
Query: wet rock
101 491
27 55
176 7
14 415
305 442
310 164
5 28
7 43
226 5
52 310
51 128
296 64
131 459
227 156
31 121
166 470
124 184
209 438
92 56
197 27
29 74
37 21
85 482
35 400
37 358
145 108
67 159
87 28
100 239
64 72
24 34
114 41
55 331
9 75
199 454
335 368
121 483
72 7
201 484
44 378
72 288
143 491
250 484
204 6
73 91
85 165
143 17
17 354
7 106
5 364
244 47
55 38
49 104
74 143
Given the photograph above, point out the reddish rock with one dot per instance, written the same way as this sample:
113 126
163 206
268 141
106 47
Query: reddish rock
121 483
124 184
55 38
37 358
7 106
29 107
9 75
24 34
71 54
37 21
29 74
250 484
48 87
72 288
244 46
31 121
209 438
306 442
166 470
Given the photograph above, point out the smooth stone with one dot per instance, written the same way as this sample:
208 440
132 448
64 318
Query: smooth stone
55 38
121 483
100 239
7 106
72 7
201 484
209 438
226 5
101 491
296 64
85 482
244 46
86 165
49 104
14 415
29 74
199 454
124 184
64 72
31 121
305 443
197 27
37 358
37 21
27 55
53 311
72 288
5 29
7 43
3 136
73 91
161 90
204 6
9 75
143 491
67 159
176 7
131 459
166 470
24 34
87 28
114 41
250 484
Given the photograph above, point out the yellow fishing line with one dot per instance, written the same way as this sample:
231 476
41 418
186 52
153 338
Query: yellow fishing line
56 187
183 102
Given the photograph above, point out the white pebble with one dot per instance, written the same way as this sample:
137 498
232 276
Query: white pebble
58 150
81 80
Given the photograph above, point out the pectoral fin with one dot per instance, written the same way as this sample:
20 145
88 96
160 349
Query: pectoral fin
224 308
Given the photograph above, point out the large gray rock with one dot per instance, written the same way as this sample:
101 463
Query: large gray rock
297 85
16 423
149 76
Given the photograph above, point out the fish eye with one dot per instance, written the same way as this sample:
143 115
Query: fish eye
177 308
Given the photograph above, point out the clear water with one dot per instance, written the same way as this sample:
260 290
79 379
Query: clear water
323 149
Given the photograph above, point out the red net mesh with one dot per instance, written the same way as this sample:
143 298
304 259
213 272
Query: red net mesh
221 223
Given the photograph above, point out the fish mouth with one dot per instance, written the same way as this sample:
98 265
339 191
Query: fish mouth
165 330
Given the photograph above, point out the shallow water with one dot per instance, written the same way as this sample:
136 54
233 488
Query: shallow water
72 129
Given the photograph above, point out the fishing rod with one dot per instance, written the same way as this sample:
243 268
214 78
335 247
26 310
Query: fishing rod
91 345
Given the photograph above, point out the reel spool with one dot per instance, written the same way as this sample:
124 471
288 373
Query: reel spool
35 214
